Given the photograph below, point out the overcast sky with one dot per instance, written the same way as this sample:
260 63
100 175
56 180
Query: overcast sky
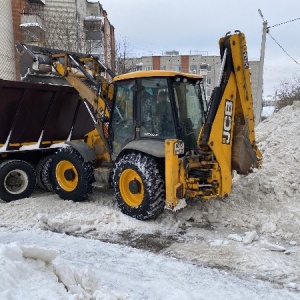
153 26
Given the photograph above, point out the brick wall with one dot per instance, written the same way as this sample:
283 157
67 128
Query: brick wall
17 8
156 62
185 62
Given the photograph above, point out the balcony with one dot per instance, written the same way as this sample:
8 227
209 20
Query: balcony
38 1
93 27
31 17
32 34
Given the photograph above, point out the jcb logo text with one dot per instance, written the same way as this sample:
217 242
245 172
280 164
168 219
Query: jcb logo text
227 122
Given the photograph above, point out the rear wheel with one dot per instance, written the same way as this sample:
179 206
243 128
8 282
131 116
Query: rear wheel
71 176
17 180
139 186
42 173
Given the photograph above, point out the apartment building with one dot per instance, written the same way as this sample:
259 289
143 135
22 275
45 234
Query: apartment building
206 65
73 25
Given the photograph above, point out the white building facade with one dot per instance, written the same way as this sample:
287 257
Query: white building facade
7 49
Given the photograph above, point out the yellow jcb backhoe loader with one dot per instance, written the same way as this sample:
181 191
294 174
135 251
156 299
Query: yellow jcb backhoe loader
156 139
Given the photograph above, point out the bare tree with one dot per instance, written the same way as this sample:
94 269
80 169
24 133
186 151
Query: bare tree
287 93
122 54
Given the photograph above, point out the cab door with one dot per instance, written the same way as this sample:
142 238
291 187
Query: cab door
122 119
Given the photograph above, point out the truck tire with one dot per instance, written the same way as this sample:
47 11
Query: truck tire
71 176
139 186
42 173
17 180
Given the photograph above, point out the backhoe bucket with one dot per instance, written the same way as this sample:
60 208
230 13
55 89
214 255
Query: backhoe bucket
243 154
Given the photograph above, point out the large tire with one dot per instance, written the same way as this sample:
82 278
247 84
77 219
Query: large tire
139 186
71 176
42 173
17 180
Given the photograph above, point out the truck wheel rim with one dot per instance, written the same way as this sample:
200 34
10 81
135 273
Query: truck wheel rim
132 199
66 175
16 182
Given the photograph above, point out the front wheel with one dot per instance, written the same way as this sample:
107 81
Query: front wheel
17 180
139 186
70 175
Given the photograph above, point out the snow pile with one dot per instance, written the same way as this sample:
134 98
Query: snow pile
31 272
268 199
20 275
99 217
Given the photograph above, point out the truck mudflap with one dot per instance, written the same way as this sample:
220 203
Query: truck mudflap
39 115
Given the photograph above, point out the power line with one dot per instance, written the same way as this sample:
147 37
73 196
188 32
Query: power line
283 49
284 22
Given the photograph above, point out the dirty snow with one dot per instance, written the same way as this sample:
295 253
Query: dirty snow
243 247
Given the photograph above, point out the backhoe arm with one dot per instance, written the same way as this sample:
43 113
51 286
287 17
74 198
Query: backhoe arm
227 139
229 129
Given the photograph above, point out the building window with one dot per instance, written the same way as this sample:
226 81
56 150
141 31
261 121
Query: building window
139 66
204 67
163 67
193 69
177 68
148 68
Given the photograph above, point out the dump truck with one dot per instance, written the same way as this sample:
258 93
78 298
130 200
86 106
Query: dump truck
35 120
155 139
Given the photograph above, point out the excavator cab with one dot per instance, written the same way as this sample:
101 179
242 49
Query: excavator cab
156 106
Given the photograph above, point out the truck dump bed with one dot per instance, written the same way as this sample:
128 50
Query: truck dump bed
40 115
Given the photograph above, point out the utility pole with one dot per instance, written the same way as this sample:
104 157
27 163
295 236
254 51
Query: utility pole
259 96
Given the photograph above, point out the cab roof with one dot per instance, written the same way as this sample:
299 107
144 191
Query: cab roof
155 73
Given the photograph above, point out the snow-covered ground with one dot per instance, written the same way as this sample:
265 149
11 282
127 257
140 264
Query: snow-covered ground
243 247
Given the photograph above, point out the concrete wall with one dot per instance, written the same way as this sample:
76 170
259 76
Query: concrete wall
7 49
